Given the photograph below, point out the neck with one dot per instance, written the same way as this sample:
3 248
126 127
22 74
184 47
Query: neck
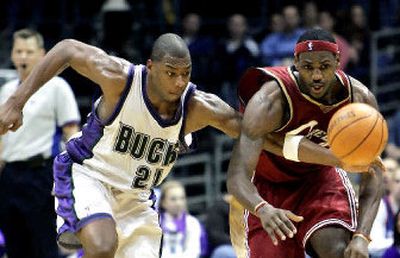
165 108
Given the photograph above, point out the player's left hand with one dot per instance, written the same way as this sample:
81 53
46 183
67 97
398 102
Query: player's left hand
376 164
357 248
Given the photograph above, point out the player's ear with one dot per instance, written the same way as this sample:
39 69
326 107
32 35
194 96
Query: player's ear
337 57
296 61
149 63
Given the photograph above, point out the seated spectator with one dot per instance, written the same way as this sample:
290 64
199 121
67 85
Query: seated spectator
217 226
382 229
391 165
181 231
393 147
347 52
201 49
234 55
394 250
277 48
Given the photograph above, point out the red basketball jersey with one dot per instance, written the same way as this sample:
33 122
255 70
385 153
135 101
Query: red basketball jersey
306 117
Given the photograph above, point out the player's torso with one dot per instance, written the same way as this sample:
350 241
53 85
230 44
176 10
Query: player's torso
305 117
137 149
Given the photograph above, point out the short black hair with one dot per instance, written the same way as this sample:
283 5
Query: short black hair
29 33
169 44
316 34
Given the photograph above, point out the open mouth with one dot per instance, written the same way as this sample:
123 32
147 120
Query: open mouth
317 88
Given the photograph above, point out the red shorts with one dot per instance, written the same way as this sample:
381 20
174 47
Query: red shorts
325 198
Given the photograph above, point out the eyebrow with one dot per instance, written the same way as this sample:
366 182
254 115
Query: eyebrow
174 67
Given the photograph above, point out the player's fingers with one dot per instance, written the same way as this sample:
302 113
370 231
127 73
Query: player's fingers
271 234
347 252
287 226
278 228
293 216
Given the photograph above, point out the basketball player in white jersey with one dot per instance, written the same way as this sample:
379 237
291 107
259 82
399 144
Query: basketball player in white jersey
131 140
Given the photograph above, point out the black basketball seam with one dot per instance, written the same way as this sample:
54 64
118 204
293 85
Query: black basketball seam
333 138
365 137
380 142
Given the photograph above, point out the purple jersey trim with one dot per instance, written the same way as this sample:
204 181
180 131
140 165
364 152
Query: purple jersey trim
63 187
80 148
162 122
55 148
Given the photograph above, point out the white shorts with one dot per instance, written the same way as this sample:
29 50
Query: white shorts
81 199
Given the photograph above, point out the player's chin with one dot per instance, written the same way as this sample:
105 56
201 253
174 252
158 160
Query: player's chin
174 97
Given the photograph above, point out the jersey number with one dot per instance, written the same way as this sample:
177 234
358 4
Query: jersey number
143 175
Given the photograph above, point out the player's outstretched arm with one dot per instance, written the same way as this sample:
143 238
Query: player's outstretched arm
208 109
263 115
108 72
371 190
308 151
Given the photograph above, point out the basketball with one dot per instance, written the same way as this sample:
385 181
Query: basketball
357 134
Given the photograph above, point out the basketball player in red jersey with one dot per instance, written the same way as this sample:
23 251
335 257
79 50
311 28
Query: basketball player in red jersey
294 197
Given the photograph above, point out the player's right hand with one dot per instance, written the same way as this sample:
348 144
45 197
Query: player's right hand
10 117
278 222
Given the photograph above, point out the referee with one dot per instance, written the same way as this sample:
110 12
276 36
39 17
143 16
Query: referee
27 215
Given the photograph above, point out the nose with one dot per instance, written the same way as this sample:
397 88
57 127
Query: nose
317 75
180 82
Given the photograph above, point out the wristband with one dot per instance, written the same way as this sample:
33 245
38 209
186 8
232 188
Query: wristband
363 236
259 206
291 147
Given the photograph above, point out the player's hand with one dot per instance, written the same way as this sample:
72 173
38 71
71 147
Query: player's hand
278 222
377 163
357 248
10 117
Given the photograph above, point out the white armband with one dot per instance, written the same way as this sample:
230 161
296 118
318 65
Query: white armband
291 147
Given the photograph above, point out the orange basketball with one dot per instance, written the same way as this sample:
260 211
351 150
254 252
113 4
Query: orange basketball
357 134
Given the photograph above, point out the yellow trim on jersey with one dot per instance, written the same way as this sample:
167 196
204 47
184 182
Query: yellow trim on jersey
239 229
283 88
316 102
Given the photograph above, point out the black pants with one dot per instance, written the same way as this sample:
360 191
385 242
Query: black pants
27 216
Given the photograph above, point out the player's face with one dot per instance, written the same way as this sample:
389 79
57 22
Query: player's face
171 76
175 201
317 72
25 55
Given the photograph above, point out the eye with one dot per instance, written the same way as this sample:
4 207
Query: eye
170 74
325 66
307 67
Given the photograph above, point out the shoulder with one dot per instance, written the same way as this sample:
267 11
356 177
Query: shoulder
202 100
192 221
361 93
264 112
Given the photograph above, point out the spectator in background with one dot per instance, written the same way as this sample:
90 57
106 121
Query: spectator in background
382 228
347 52
310 15
234 55
181 231
393 147
217 226
27 213
201 49
277 48
391 165
358 34
394 250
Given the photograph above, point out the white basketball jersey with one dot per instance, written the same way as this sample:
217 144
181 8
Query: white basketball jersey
135 148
